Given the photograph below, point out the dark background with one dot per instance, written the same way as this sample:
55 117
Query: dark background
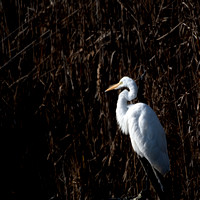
59 135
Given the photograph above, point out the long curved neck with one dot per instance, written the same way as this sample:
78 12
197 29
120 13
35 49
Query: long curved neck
122 106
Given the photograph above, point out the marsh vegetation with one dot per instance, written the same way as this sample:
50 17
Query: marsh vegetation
56 60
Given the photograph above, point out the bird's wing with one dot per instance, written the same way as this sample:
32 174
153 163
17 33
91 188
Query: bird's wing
148 137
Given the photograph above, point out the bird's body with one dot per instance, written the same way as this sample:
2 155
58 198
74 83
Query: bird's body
142 124
146 133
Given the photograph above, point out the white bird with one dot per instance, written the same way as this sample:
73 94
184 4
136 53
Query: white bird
147 135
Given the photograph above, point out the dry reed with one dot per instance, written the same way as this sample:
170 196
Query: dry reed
56 60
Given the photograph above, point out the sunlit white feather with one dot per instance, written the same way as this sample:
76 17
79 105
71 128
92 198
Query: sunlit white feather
141 123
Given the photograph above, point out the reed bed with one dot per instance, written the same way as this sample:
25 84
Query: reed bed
56 60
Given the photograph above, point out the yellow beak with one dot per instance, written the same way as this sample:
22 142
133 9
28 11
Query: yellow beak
113 87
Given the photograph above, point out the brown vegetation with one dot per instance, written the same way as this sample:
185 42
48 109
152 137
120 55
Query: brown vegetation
56 60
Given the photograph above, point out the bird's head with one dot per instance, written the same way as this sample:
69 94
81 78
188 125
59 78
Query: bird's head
124 82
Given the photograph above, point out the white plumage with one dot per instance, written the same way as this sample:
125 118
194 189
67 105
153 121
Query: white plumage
141 123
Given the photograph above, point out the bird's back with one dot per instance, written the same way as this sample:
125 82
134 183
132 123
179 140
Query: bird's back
147 136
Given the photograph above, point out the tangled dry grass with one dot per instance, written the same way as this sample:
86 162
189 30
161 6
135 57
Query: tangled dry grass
56 60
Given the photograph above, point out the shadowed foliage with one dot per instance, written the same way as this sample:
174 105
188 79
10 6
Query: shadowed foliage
56 60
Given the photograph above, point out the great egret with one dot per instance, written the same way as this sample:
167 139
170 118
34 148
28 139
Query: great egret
147 135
